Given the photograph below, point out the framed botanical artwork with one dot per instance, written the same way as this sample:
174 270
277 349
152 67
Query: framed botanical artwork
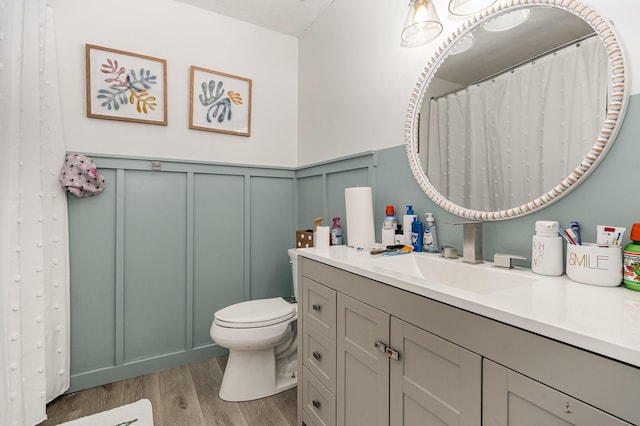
126 86
220 102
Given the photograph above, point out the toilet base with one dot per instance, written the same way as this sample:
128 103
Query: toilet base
254 374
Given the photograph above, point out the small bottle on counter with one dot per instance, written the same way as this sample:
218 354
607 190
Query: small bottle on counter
430 239
407 220
546 249
399 238
389 226
416 235
631 256
336 232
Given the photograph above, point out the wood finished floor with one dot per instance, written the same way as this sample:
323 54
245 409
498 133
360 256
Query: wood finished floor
181 396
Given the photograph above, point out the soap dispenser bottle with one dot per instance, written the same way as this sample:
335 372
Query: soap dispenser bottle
546 249
430 240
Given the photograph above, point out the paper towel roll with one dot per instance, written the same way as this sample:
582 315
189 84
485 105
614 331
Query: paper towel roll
322 237
359 207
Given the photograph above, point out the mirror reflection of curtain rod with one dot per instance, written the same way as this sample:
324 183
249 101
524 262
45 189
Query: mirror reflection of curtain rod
514 67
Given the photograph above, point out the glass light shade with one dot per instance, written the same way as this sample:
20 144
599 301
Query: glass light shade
422 24
462 45
507 21
462 8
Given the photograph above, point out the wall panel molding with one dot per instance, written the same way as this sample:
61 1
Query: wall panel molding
231 229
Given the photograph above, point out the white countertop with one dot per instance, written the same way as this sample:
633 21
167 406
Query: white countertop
604 320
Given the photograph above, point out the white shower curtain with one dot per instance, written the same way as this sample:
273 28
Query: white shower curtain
34 290
498 144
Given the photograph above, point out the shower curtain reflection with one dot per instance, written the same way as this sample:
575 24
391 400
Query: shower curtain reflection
497 144
34 354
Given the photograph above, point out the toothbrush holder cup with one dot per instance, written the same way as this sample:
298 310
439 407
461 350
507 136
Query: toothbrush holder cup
594 264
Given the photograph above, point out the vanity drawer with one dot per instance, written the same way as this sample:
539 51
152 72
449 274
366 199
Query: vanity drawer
319 356
306 419
317 401
319 308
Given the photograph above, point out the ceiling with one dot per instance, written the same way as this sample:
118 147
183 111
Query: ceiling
546 28
291 17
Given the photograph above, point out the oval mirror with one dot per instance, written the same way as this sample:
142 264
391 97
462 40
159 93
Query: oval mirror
505 122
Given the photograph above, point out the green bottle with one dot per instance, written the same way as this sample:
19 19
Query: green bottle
631 255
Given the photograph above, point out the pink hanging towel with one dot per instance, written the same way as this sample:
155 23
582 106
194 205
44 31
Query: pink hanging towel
80 177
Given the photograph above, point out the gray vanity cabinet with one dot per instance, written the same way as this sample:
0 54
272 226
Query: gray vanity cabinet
510 398
373 354
386 371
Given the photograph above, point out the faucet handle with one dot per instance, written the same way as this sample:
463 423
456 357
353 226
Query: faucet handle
502 260
449 252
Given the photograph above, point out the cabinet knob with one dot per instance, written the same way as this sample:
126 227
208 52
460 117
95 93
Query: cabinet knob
317 355
316 403
316 308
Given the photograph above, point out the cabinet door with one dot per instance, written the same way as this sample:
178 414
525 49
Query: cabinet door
435 382
510 398
362 394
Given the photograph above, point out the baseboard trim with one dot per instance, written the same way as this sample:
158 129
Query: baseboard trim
112 374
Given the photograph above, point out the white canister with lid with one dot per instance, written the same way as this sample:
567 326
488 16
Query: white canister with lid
546 249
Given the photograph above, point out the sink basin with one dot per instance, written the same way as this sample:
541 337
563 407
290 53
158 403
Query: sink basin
481 278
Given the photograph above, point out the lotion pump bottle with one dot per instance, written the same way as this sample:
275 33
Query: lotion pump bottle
407 221
430 240
546 249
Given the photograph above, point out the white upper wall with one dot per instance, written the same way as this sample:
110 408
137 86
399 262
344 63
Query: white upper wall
184 36
356 80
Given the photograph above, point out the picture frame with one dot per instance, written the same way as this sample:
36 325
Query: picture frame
220 102
125 86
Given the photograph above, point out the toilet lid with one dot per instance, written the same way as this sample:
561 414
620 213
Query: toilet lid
255 313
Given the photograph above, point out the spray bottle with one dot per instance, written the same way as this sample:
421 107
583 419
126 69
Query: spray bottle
336 232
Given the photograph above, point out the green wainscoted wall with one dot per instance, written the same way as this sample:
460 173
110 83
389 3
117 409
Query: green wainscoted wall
321 187
158 252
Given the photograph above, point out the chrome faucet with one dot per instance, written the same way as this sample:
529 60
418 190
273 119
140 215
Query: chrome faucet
471 242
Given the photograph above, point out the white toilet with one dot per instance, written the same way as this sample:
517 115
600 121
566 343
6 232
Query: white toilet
261 336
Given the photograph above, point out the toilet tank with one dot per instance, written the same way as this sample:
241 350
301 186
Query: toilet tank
293 259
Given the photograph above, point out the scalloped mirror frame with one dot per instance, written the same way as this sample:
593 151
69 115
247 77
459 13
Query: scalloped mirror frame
613 116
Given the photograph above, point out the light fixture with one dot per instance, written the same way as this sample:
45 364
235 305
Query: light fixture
507 21
422 24
462 45
462 8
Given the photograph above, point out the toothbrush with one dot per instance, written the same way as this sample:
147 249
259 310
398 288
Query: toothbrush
569 236
575 229
563 235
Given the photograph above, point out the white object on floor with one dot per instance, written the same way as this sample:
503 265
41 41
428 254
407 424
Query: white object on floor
139 413
262 338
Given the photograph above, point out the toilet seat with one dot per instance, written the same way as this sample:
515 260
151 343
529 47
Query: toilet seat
255 313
